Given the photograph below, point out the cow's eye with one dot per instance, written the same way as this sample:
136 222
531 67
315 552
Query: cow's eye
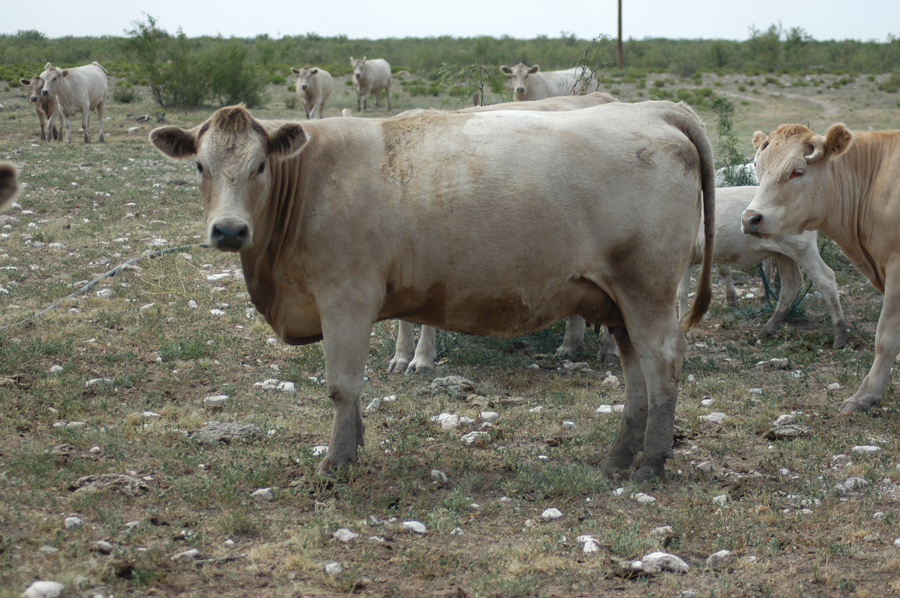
199 168
261 169
797 172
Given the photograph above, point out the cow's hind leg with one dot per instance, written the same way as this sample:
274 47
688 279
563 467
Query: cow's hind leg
887 346
574 339
426 354
791 281
85 124
101 108
403 353
632 427
346 346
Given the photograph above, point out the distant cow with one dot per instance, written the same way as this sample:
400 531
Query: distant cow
314 87
8 184
371 76
529 83
409 356
491 223
79 89
44 107
844 184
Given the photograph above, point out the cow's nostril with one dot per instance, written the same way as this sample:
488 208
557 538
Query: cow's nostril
227 235
756 220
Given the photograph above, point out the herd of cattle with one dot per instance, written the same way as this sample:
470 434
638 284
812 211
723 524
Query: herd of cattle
501 220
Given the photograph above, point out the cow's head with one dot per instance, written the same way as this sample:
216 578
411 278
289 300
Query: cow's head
35 86
8 184
235 154
52 78
303 76
357 65
519 81
792 166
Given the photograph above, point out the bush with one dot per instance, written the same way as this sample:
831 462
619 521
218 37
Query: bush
124 93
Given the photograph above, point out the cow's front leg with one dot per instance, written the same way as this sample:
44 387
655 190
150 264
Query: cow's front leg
67 123
346 346
887 345
574 339
630 438
85 123
403 353
101 107
425 356
791 281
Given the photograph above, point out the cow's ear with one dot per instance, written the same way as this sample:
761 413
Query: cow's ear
534 69
295 70
65 73
314 71
174 142
759 138
8 184
838 139
48 66
506 69
25 82
288 141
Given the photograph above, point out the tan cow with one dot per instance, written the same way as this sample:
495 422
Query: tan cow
79 89
314 87
44 107
493 223
9 186
371 76
844 184
411 357
529 83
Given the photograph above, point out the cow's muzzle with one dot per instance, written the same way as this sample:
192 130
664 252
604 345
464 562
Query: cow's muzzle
304 86
230 234
45 92
35 98
751 222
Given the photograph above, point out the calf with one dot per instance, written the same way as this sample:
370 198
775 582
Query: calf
44 107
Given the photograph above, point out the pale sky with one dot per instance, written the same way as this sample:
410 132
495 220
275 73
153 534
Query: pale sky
864 20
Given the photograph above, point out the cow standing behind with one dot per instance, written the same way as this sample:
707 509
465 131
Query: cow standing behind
78 89
529 83
44 107
370 76
458 220
314 87
844 184
9 186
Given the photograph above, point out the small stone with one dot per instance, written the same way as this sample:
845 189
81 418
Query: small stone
656 562
373 405
286 387
453 385
187 555
879 516
416 527
866 450
345 535
263 495
788 432
784 419
834 386
228 543
44 589
438 476
192 304
489 416
536 409
55 369
897 542
320 450
333 568
589 543
104 547
457 531
716 418
476 438
663 530
216 312
551 514
611 382
73 522
643 498
216 400
720 500
706 466
718 559
707 402
568 425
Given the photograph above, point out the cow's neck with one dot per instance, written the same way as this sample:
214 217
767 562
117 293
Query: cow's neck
854 216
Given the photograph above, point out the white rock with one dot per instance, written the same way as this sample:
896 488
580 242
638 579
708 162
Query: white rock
345 535
438 476
551 514
55 369
536 409
879 516
187 555
150 415
619 491
98 382
216 399
851 484
589 543
319 450
263 495
146 307
104 293
897 542
44 589
416 527
866 450
104 547
656 562
333 568
604 409
192 304
568 425
489 416
373 405
716 418
663 530
216 312
833 387
756 391
717 559
286 387
228 543
643 498
720 500
611 382
476 437
73 522
707 402
457 531
784 419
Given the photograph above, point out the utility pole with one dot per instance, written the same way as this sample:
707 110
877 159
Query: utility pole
619 61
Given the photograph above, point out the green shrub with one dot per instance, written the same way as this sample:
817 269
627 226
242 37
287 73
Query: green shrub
124 93
277 79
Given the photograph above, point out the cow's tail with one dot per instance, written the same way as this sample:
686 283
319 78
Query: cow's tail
696 132
97 64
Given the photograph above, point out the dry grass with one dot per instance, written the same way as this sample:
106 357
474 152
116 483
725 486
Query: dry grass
108 203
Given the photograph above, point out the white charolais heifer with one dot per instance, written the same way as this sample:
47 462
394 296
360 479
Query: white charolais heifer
529 83
844 184
44 107
9 186
734 249
455 220
370 77
78 89
314 87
